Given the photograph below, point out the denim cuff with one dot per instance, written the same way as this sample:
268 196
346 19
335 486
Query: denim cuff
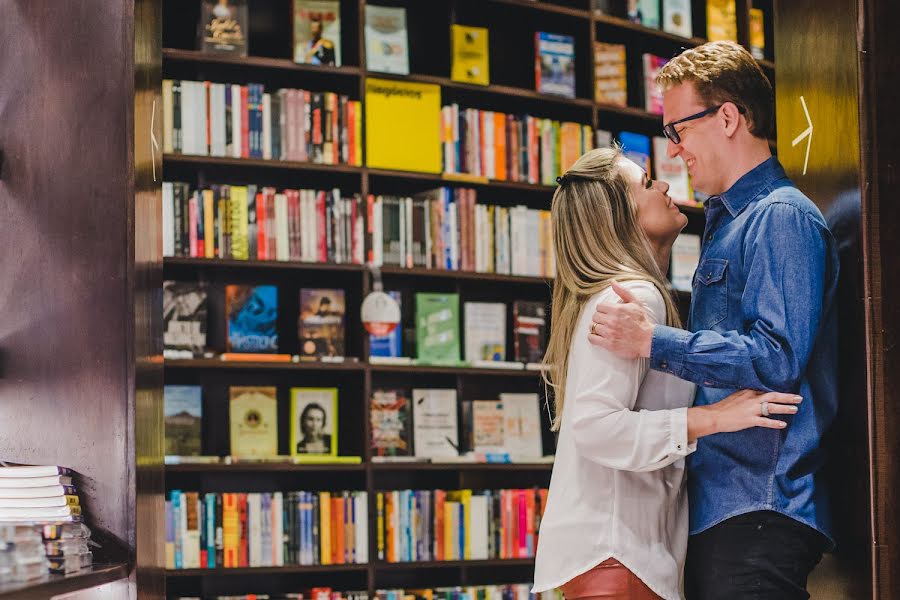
667 349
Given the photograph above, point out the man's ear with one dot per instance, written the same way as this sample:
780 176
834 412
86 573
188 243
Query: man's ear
731 118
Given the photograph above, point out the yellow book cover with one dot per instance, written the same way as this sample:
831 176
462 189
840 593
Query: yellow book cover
325 527
721 23
239 219
470 54
757 34
357 124
450 513
209 231
464 497
254 421
230 530
403 125
379 511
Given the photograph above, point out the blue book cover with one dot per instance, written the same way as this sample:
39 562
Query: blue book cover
252 318
183 411
391 344
636 148
555 64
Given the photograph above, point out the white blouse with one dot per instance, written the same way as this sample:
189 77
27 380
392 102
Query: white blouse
617 489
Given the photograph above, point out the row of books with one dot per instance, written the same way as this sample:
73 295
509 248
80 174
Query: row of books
511 591
251 222
611 77
426 525
230 530
316 593
446 229
421 423
508 147
244 121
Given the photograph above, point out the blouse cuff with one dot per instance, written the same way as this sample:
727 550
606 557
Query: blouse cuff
678 432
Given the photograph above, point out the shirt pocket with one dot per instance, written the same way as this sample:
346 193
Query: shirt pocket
710 293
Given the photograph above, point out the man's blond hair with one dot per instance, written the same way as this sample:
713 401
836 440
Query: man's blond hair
724 72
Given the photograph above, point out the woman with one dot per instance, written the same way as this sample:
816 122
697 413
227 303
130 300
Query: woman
616 520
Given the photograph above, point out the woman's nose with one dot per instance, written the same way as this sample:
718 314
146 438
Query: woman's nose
663 186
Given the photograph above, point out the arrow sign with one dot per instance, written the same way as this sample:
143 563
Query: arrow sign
807 133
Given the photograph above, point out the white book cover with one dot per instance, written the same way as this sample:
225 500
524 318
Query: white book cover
254 538
677 17
489 168
435 425
267 126
685 257
522 425
48 502
478 525
188 130
201 116
485 331
217 119
282 247
361 528
454 235
387 47
673 171
278 529
236 141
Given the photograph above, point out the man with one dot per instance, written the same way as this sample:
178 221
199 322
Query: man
762 316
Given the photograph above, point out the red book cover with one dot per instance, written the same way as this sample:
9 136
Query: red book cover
261 232
334 113
500 146
349 123
370 227
529 521
522 532
322 227
245 124
440 497
337 531
271 237
193 219
293 197
243 549
534 140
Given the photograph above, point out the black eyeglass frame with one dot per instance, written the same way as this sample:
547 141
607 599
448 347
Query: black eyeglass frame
669 128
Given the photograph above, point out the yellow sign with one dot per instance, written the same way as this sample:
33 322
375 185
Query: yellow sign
470 55
403 125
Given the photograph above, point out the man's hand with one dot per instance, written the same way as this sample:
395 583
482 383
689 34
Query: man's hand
624 329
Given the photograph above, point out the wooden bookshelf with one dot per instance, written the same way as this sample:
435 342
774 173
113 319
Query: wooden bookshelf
647 32
57 585
286 570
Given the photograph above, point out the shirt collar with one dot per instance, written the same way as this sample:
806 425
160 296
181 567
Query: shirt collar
748 187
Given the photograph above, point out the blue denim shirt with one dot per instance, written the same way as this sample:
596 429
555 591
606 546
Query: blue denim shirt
762 316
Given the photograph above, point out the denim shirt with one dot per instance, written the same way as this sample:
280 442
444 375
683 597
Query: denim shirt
763 316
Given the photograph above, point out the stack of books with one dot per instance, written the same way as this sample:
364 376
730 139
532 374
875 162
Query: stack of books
22 557
38 494
67 547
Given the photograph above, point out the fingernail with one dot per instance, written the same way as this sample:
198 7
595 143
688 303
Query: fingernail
794 409
782 424
798 398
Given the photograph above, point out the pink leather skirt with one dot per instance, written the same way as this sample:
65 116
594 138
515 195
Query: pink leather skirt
608 580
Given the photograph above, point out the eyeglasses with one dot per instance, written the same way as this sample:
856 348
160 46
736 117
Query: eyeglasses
669 128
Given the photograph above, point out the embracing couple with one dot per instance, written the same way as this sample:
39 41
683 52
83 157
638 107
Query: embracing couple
744 393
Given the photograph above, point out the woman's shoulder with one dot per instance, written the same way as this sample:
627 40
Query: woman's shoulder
645 291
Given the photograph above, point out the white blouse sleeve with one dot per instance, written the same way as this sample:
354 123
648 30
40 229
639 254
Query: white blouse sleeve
605 427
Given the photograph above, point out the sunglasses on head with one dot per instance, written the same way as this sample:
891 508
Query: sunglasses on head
669 128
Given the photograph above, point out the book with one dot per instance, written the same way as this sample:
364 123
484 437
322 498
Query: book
485 328
46 491
223 27
387 47
253 414
721 21
403 125
636 148
487 426
19 482
554 64
469 59
183 411
253 357
437 327
529 331
391 344
757 34
677 17
435 423
644 12
317 32
252 312
685 258
314 418
390 417
320 326
522 425
10 472
184 318
653 101
610 81
673 171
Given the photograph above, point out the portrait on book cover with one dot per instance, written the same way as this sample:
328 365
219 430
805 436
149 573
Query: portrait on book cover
224 27
184 317
320 327
314 421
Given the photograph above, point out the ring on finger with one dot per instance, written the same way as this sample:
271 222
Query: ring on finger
764 408
593 332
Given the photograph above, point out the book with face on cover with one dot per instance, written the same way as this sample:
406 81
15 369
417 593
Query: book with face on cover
253 412
223 27
184 318
320 327
314 425
317 32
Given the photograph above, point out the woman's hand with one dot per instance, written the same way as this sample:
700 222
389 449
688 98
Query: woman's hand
741 410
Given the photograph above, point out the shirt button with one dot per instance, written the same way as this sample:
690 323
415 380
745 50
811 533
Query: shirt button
664 365
678 447
709 238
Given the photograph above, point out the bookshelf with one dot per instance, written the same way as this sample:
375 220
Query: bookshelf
512 24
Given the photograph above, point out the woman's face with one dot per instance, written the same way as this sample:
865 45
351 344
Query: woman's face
313 423
658 215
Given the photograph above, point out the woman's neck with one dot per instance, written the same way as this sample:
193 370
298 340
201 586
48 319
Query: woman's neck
662 253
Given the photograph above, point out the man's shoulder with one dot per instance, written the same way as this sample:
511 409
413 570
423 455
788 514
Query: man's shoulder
786 199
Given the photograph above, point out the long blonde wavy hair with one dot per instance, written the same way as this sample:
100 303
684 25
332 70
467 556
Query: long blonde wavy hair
596 239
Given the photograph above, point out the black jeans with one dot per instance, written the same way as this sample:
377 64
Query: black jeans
763 555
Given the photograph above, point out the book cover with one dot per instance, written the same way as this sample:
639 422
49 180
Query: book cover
321 324
522 425
485 331
390 345
184 318
554 65
317 32
253 414
529 331
653 100
610 81
636 148
314 414
391 420
721 21
437 327
673 171
435 426
645 12
487 426
252 312
223 27
470 60
387 47
183 410
677 17
685 257
403 125
757 34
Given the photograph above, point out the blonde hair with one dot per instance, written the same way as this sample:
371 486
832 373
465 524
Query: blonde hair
724 72
596 239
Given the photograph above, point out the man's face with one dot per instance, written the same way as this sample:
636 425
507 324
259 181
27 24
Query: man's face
315 27
702 140
313 422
